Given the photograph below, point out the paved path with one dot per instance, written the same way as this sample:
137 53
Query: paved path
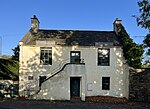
31 104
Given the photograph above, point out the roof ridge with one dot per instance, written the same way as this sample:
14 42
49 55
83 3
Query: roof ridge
75 30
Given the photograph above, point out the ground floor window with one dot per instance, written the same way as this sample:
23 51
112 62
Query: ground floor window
105 83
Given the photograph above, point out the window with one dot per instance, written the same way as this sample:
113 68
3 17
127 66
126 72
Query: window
30 77
105 83
103 57
46 56
75 56
41 80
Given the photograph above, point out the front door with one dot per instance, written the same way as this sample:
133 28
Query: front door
75 86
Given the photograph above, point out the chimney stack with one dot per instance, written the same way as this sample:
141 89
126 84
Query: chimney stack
35 24
117 25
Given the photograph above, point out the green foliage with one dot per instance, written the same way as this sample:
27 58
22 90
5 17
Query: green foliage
16 51
132 51
147 41
143 19
147 46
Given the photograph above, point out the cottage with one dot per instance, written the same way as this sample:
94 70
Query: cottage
62 64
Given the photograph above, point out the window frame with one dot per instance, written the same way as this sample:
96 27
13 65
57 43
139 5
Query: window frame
105 83
101 60
46 57
77 55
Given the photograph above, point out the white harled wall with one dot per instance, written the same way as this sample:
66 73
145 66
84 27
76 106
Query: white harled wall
58 87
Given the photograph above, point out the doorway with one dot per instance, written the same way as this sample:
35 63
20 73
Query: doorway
75 87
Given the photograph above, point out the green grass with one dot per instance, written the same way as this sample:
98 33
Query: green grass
9 69
145 66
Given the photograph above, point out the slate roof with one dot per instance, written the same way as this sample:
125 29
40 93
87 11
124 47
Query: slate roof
80 37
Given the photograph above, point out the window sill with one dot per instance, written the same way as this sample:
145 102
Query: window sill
104 65
45 65
77 63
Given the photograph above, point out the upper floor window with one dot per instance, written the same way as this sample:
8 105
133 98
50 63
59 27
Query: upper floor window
75 57
103 56
46 56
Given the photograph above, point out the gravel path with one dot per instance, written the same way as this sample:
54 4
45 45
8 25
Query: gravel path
32 104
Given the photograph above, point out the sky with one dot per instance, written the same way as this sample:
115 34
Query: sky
99 15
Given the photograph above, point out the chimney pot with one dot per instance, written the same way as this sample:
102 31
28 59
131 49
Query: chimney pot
117 21
34 16
116 26
35 24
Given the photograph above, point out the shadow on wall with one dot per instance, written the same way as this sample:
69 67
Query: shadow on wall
122 78
32 67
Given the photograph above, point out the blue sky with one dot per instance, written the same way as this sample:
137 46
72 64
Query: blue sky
65 14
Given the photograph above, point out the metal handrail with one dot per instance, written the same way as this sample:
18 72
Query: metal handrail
60 68
48 73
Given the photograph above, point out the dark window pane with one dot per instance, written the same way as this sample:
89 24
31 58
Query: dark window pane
50 61
42 54
105 83
75 56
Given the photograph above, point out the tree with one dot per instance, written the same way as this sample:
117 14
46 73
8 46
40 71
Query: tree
143 20
146 42
16 51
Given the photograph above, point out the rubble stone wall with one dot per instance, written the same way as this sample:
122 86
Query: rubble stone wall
139 85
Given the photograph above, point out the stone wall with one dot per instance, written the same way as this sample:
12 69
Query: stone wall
139 85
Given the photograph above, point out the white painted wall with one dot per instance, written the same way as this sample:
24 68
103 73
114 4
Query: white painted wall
58 87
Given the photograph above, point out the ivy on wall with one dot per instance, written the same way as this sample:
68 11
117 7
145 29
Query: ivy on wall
132 52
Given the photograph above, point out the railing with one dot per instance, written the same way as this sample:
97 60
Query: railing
61 68
61 64
54 72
